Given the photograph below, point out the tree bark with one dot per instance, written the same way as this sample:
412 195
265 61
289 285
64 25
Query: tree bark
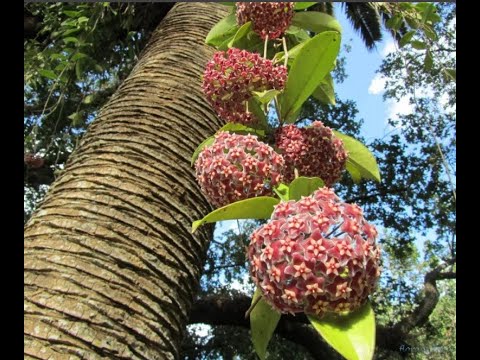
110 265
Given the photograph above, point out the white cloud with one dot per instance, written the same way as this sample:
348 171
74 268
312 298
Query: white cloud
377 85
388 48
400 107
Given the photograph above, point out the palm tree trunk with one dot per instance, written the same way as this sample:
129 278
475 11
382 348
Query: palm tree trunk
110 265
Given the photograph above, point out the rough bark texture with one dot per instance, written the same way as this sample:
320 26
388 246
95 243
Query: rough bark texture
110 265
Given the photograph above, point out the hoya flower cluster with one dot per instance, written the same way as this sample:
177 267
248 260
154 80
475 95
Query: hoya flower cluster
315 255
237 167
268 18
230 77
314 151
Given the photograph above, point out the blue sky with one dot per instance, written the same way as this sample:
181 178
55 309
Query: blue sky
363 85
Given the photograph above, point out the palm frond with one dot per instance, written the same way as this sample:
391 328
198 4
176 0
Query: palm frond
366 20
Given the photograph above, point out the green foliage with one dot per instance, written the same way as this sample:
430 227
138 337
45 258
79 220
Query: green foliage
255 208
313 62
325 92
352 335
360 160
316 22
303 5
304 186
263 321
223 32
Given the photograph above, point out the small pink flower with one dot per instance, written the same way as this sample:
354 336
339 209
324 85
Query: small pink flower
230 77
308 266
227 172
313 151
268 18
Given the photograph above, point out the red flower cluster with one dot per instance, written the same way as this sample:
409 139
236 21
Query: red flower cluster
33 161
315 255
314 151
230 78
237 167
268 18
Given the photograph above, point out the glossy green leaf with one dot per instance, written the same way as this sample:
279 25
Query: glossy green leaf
354 172
79 70
240 34
241 129
282 191
265 96
406 38
303 5
325 92
352 335
207 142
263 321
304 186
316 21
312 63
228 3
222 31
48 74
254 107
360 158
254 208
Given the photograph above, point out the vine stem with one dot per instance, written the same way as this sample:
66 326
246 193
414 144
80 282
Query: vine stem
250 309
265 47
285 50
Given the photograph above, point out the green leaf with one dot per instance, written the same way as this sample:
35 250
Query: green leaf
88 99
48 74
312 63
222 31
72 14
451 74
70 39
316 21
255 108
78 70
207 142
406 38
394 22
265 96
352 335
360 158
325 92
282 191
428 61
304 186
241 32
228 3
419 45
263 321
354 172
78 56
254 208
303 5
241 129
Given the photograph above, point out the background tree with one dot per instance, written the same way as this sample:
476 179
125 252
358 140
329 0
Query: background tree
77 55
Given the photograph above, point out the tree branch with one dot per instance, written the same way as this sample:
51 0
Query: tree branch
230 310
429 301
